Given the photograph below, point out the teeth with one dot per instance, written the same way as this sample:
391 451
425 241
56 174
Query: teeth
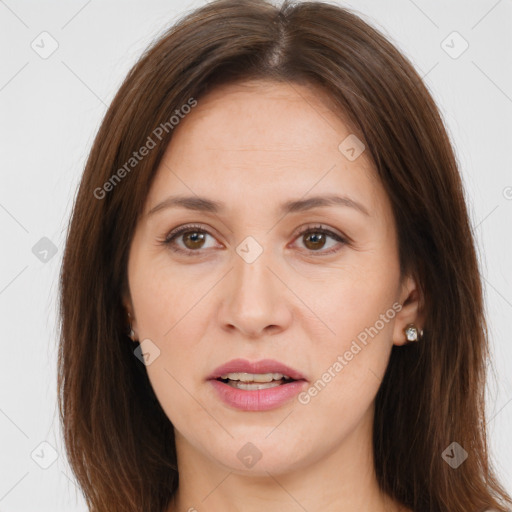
254 377
253 385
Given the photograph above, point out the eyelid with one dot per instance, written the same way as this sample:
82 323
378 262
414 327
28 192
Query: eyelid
177 232
320 228
186 227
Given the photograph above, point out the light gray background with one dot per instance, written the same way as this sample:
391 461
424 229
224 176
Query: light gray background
50 111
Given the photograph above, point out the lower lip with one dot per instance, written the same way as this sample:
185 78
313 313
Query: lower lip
257 399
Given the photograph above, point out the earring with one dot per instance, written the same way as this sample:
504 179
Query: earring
412 333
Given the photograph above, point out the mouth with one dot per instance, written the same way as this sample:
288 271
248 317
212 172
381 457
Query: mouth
265 371
259 386
251 381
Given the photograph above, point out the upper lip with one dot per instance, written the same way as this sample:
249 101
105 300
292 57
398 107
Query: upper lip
261 366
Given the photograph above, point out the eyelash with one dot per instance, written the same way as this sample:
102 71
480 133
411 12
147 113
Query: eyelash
169 239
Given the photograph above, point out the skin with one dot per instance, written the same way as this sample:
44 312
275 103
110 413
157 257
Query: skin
252 146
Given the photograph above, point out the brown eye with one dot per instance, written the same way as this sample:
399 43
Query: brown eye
314 240
188 239
193 239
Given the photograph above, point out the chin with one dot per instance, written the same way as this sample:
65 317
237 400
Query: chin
257 456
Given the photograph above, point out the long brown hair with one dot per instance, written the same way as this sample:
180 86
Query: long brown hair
119 442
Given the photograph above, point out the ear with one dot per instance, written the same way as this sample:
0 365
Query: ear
412 311
130 315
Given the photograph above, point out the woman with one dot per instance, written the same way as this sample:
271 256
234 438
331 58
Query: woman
270 296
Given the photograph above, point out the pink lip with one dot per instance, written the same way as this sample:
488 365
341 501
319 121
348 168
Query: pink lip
257 399
262 366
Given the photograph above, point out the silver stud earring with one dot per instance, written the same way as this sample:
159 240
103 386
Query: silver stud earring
412 333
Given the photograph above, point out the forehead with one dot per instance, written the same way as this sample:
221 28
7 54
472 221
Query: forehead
262 139
265 115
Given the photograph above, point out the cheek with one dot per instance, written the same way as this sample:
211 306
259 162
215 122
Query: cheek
174 388
165 296
345 300
351 355
349 367
170 311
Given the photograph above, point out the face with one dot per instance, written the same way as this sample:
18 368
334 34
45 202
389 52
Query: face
315 287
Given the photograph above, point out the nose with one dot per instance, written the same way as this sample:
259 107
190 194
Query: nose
254 299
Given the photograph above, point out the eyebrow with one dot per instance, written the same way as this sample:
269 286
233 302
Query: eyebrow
203 204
